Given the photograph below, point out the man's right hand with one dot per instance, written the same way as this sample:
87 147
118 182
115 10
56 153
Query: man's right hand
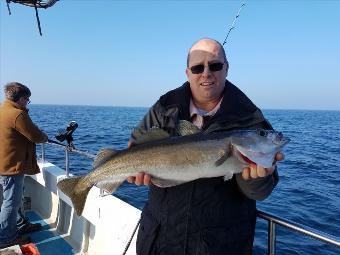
140 179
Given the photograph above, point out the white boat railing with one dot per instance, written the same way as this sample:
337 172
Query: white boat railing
272 220
67 149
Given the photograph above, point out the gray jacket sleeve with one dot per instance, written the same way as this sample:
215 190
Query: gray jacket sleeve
260 188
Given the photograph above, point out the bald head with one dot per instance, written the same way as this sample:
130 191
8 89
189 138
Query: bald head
201 45
206 71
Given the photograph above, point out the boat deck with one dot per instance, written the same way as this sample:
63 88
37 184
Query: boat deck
47 240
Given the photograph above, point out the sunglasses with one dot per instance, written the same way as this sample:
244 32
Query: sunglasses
214 67
27 99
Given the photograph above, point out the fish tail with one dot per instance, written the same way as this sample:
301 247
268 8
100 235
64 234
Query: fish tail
71 187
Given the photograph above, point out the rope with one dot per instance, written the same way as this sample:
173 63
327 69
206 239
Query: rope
129 242
72 149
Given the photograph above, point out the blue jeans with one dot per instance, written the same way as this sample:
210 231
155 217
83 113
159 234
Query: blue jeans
12 187
22 220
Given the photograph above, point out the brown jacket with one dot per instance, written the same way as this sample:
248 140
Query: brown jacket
18 136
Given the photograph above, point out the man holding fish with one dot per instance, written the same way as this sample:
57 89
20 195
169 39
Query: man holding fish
207 215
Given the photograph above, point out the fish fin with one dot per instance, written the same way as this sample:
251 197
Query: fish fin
103 156
185 127
228 176
224 156
155 133
165 183
109 186
71 188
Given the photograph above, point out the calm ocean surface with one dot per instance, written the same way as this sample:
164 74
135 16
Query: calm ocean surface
309 188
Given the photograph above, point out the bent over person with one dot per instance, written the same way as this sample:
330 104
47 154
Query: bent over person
18 135
210 215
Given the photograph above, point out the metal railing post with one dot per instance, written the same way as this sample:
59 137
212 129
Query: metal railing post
67 163
271 238
67 150
43 153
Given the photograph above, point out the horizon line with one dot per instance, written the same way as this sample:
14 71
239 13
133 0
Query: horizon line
124 106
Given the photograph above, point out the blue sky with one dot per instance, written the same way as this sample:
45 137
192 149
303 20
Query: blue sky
282 54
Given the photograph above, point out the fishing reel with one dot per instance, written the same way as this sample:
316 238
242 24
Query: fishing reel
66 134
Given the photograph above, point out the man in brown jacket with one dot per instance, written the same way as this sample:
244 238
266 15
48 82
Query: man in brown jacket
18 136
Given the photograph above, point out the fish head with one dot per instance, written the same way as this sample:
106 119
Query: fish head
258 146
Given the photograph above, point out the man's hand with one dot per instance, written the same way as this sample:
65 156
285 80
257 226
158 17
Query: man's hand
140 178
254 171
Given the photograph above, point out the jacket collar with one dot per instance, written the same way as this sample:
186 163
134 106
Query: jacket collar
234 106
9 103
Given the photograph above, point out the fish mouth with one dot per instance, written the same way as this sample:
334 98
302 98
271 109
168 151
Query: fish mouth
246 159
241 157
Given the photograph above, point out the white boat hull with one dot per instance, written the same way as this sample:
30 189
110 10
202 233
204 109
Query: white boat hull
105 227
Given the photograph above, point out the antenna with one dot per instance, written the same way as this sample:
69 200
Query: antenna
232 25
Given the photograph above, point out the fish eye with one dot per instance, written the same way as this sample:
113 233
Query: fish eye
279 136
262 132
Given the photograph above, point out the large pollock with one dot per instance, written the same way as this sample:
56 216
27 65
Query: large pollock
176 160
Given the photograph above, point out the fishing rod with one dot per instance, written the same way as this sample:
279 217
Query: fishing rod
233 24
66 134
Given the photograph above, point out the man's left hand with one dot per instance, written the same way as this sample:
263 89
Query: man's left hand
255 171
